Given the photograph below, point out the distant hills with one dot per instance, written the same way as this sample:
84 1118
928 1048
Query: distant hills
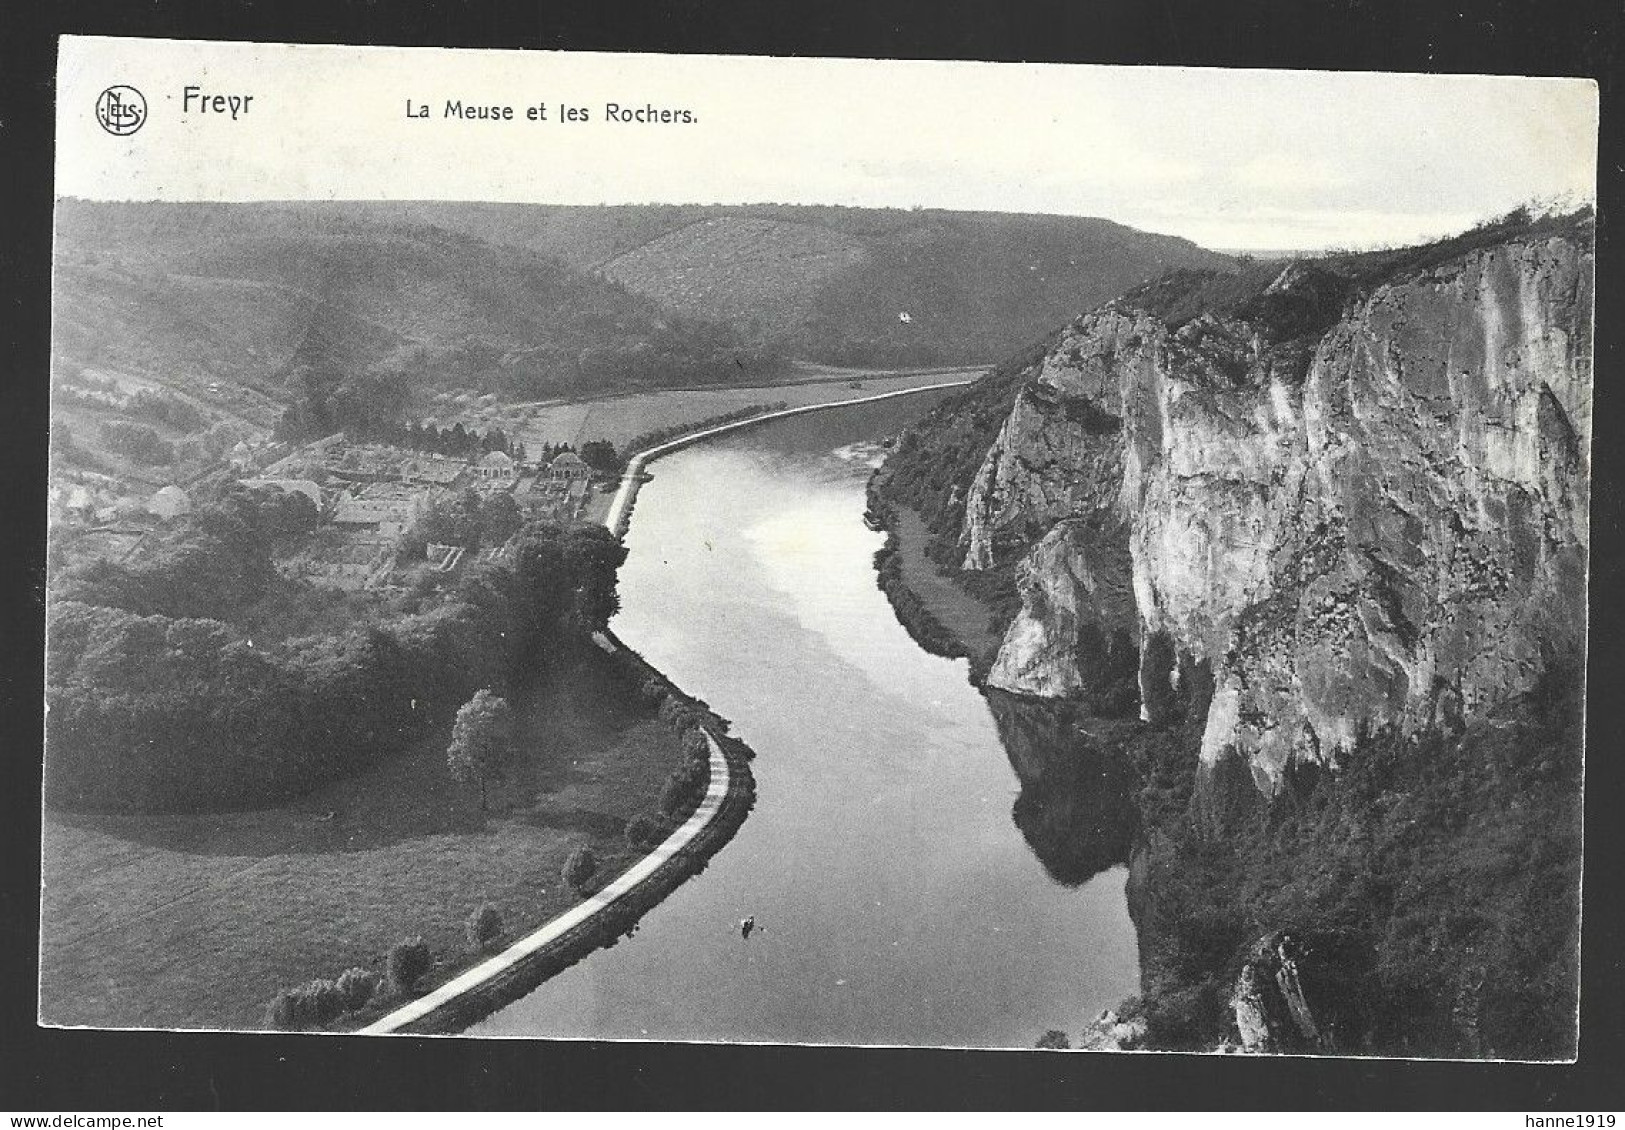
828 284
250 293
533 301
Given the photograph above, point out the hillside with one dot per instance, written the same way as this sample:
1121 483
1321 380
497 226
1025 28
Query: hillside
244 293
1308 540
827 284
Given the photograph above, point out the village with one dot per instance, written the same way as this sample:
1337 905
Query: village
371 498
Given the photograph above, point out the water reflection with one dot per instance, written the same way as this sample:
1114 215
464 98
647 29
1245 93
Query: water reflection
1074 810
893 902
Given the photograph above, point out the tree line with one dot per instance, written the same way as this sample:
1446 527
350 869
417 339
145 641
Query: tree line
466 520
161 701
302 422
455 440
212 563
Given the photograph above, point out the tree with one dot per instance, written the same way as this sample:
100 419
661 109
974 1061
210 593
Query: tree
481 741
137 441
580 868
483 927
500 519
593 555
408 961
452 520
600 455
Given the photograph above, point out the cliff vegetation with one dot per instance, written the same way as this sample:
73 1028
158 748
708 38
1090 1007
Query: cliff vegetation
1323 525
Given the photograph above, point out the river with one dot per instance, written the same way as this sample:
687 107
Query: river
897 900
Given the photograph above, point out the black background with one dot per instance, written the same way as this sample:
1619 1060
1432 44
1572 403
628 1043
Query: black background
49 1071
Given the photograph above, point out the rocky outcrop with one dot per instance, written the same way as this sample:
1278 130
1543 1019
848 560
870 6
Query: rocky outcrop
1110 1032
1302 994
1059 453
1076 632
1378 524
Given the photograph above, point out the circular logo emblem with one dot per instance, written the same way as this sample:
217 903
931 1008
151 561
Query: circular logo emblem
121 110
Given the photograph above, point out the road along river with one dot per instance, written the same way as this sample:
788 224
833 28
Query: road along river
896 900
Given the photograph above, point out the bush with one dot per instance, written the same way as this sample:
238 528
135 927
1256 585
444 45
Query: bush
282 1012
408 962
137 441
1054 1039
484 926
676 713
653 691
682 715
673 799
642 831
580 868
358 987
308 1006
1185 1018
684 788
695 746
326 1000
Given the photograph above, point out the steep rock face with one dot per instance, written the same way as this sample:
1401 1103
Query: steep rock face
1303 994
1439 547
1384 524
1060 451
1076 630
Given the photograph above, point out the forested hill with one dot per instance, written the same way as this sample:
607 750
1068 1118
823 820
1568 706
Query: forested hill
828 284
253 293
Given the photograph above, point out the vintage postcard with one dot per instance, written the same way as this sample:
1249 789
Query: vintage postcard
814 551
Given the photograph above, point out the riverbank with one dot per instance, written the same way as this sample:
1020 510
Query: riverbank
939 614
198 921
623 417
620 510
605 917
898 928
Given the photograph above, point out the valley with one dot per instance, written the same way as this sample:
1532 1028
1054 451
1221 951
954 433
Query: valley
1235 635
1270 539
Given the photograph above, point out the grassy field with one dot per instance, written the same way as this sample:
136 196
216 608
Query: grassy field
622 418
197 921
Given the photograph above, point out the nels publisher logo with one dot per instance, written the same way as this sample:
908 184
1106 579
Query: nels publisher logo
121 110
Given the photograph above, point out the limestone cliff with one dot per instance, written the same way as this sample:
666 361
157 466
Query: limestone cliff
1352 497
1303 994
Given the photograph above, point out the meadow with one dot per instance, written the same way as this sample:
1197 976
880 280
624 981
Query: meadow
622 418
197 921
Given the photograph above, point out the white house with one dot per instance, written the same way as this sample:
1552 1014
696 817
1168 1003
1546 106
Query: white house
495 465
568 465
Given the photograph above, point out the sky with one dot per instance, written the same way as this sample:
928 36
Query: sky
1273 160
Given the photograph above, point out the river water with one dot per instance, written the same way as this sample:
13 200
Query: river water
897 900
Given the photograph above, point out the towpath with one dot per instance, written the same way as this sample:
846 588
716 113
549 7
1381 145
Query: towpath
627 886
